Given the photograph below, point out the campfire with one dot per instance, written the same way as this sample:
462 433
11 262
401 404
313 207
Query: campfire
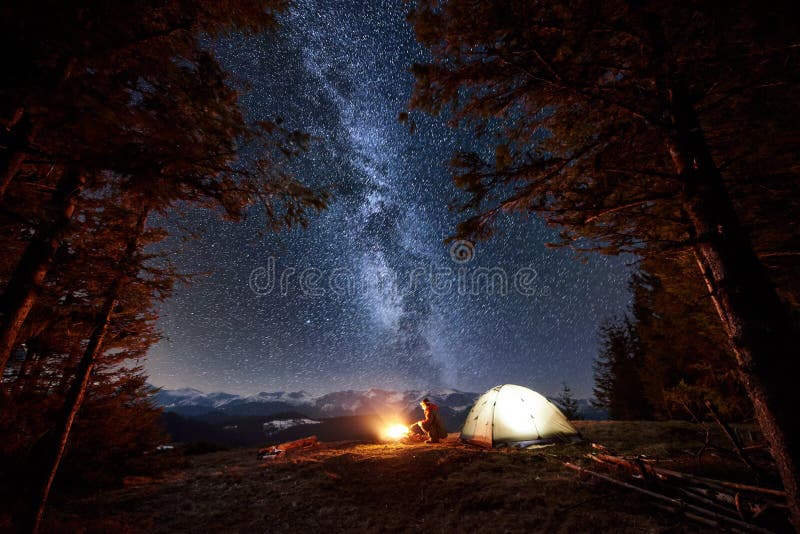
395 432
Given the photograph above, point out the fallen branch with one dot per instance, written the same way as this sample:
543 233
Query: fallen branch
732 438
606 459
721 483
694 517
285 448
688 509
663 472
735 505
732 503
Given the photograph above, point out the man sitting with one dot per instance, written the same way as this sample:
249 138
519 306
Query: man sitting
432 425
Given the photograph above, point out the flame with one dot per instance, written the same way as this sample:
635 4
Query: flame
397 431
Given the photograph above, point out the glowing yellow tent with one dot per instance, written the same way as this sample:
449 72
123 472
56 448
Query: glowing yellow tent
515 416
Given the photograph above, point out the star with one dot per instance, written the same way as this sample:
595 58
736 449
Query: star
371 273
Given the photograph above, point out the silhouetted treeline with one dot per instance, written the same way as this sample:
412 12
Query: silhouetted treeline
110 113
668 356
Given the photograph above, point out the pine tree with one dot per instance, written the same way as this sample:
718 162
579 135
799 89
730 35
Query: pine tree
51 448
567 402
121 111
70 57
70 335
670 353
144 106
685 358
615 124
617 371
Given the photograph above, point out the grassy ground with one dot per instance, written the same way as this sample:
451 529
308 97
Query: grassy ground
390 487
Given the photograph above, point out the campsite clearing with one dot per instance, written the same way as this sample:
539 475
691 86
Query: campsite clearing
393 487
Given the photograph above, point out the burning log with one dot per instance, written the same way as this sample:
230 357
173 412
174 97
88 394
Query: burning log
395 432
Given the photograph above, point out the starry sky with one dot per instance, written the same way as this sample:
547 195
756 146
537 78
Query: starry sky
370 295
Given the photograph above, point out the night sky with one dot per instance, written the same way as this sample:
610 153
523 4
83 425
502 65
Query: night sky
368 303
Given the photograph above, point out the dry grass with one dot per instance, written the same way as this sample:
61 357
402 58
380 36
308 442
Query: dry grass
395 488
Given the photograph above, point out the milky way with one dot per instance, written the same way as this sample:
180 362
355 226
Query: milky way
370 295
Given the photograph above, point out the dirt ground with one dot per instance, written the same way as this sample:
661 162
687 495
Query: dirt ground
398 488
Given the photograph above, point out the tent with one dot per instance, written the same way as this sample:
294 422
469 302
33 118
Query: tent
515 416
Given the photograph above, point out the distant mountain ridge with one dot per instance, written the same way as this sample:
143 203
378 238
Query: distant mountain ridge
225 419
453 403
193 403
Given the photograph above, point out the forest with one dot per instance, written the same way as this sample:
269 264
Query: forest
663 131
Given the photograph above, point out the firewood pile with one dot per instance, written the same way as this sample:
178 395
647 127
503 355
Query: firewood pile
719 504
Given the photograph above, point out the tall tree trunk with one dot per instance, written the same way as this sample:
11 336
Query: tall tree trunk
757 322
50 450
23 128
18 140
23 374
21 291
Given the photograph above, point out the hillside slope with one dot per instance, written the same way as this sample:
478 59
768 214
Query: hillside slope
390 487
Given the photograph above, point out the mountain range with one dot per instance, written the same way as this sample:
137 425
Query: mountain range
189 402
225 419
192 402
245 420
